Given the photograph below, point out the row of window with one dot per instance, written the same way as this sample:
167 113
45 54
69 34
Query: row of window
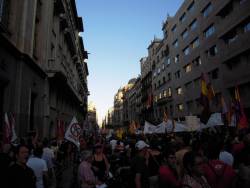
187 68
205 12
214 74
164 94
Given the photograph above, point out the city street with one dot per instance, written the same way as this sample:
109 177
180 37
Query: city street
125 94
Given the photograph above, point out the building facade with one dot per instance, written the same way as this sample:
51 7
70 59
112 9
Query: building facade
146 90
43 74
91 125
132 103
210 37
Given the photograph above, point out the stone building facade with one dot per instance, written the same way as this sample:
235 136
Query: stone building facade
43 75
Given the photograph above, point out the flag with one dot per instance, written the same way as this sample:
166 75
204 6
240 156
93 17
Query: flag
60 129
6 130
241 119
73 132
149 101
207 94
13 132
204 93
210 91
165 116
225 114
132 127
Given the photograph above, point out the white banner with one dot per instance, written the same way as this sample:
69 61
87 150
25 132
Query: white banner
148 128
214 120
73 132
179 127
161 128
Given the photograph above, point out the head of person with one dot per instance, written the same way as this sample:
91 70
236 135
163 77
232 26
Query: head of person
87 156
246 140
45 142
141 147
192 163
22 154
170 158
83 143
213 148
38 151
98 149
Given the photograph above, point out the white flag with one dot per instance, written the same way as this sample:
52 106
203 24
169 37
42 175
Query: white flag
73 132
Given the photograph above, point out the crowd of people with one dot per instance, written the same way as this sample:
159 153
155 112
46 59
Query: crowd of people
209 159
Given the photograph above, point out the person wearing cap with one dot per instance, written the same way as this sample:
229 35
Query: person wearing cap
139 165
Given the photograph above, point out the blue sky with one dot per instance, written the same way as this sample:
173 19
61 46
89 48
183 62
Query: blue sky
117 34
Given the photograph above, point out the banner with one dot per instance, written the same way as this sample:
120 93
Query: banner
214 120
161 128
193 123
179 127
73 132
148 128
164 127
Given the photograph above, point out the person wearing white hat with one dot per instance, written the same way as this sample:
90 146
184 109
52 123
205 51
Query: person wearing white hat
139 165
140 145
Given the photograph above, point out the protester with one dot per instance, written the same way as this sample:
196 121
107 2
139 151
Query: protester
100 163
154 161
139 165
193 172
168 176
183 146
244 165
217 173
39 167
19 174
49 157
6 159
86 175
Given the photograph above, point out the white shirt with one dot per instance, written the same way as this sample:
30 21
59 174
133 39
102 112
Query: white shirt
39 166
113 144
226 157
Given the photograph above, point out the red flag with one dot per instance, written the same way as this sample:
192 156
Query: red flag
241 119
150 100
6 130
60 129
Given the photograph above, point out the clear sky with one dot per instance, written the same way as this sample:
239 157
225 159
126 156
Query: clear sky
117 34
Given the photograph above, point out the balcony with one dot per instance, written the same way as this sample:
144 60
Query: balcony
164 100
58 7
63 21
239 13
240 45
70 41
